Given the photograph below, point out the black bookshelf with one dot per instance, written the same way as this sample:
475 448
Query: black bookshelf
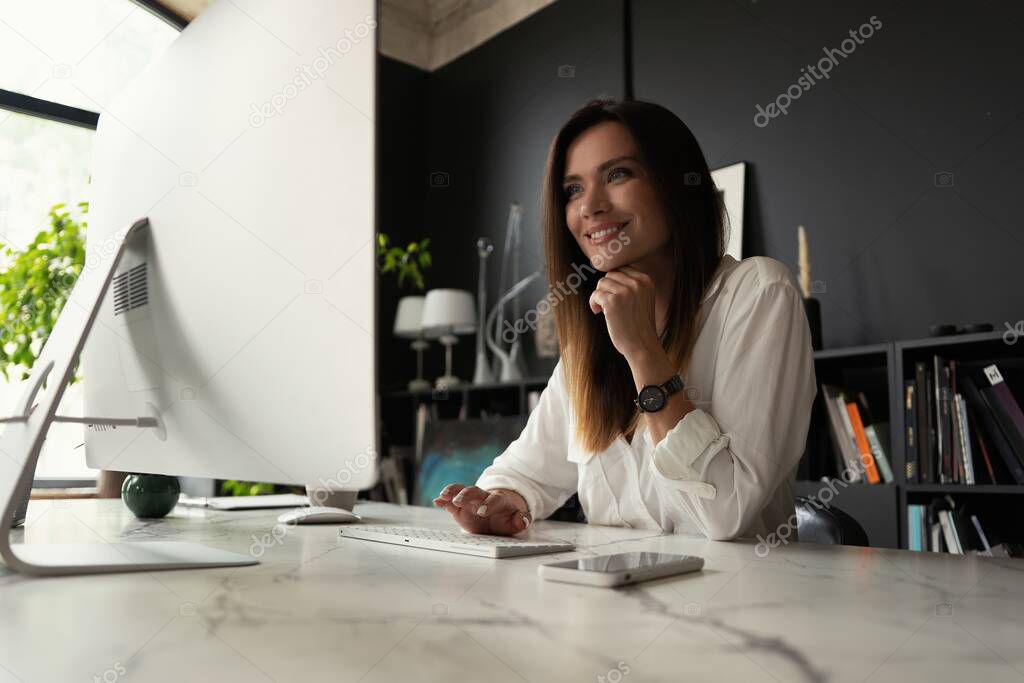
880 370
1001 505
866 369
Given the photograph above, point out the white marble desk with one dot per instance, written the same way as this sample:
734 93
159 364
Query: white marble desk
320 608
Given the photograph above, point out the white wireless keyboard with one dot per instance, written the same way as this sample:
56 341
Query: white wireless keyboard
453 541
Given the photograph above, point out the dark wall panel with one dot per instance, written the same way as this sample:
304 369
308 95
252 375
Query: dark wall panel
935 90
401 197
491 115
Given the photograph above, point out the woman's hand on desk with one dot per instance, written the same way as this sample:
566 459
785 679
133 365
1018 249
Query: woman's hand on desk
500 512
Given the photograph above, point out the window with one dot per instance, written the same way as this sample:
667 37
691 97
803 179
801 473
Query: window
78 53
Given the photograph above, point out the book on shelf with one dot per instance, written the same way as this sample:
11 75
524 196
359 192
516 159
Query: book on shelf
966 449
955 447
910 432
1005 409
942 427
949 533
877 434
993 433
963 426
915 527
861 441
985 547
842 447
982 447
925 423
858 442
943 525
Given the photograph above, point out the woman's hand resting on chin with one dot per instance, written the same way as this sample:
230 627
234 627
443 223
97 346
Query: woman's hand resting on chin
626 298
499 512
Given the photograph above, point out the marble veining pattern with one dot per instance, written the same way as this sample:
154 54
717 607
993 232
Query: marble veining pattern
319 607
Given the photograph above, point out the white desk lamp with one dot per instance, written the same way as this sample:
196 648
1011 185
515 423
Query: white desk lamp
446 313
409 325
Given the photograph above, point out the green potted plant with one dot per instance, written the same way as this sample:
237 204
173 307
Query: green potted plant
408 263
35 284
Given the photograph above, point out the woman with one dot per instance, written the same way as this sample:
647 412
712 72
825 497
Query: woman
683 395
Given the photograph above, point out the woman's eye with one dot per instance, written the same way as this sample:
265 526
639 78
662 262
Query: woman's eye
573 189
618 173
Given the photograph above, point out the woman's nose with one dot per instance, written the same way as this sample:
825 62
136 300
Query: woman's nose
593 202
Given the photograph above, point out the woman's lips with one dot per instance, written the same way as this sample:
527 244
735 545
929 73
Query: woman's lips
606 234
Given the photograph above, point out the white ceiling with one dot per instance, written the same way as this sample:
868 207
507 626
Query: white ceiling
425 33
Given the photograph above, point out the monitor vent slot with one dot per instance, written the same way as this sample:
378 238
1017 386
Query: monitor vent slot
130 289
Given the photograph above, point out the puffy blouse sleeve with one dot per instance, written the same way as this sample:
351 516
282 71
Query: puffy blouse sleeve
535 465
725 463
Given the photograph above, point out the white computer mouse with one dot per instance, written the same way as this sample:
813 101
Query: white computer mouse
318 515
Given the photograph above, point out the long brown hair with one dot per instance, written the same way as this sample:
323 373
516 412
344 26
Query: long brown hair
599 380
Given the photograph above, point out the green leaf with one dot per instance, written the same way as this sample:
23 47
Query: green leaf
34 283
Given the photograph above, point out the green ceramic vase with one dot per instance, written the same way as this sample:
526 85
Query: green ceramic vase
150 495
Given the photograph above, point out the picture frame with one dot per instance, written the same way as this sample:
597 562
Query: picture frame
730 182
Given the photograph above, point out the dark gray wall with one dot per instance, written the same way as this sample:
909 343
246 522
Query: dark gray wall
936 89
401 198
491 115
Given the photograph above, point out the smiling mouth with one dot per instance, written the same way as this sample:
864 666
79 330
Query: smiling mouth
605 234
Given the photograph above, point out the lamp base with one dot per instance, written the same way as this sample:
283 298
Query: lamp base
447 382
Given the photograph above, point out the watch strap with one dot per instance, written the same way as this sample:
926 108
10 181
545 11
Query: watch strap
673 385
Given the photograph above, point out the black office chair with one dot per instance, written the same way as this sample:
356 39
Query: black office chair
818 523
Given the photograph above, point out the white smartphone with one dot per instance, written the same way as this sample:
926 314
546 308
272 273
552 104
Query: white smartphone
619 569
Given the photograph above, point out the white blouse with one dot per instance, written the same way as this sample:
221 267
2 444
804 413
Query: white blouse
726 469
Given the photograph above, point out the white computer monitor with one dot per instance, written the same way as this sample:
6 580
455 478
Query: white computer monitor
245 314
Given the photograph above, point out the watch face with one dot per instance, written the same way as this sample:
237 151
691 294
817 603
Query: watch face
651 399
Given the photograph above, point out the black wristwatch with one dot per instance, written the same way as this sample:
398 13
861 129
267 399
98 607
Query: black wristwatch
653 397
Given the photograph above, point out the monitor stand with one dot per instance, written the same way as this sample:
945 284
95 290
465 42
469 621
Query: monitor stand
23 439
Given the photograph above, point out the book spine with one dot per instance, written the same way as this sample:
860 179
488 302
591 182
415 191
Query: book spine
945 426
986 548
863 448
853 455
910 424
948 534
965 440
836 433
929 435
915 523
939 443
956 448
956 452
878 451
921 408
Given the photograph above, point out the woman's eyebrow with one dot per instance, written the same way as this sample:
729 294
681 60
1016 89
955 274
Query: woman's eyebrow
603 167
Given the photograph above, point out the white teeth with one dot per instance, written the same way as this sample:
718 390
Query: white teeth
601 233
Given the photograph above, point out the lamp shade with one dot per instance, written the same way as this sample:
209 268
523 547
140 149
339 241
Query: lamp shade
408 319
448 311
